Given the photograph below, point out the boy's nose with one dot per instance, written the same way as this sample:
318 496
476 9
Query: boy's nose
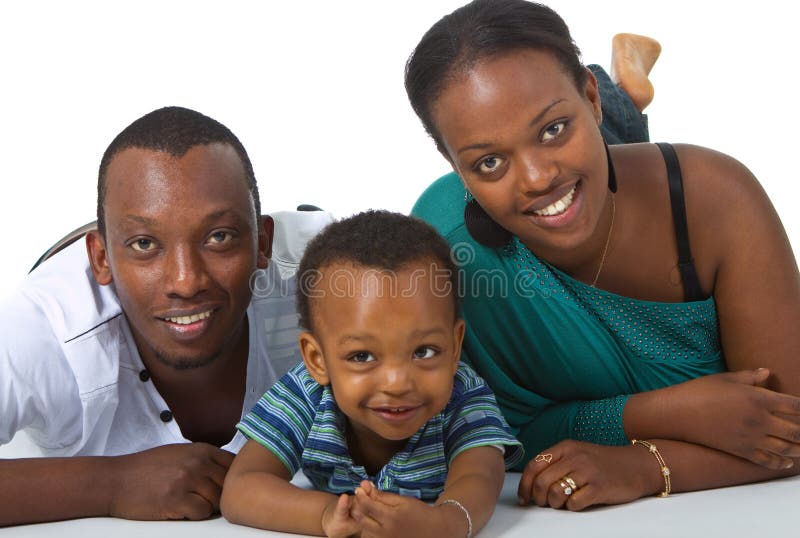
397 380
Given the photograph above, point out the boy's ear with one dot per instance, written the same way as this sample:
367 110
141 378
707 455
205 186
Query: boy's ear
458 338
266 232
313 358
98 258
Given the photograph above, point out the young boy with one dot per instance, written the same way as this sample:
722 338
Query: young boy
380 405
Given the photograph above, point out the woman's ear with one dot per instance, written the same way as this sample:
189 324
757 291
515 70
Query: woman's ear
98 258
592 94
313 358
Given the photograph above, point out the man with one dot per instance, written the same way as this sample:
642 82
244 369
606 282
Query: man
131 368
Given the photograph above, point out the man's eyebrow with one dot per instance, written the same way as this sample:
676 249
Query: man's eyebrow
534 121
219 214
140 220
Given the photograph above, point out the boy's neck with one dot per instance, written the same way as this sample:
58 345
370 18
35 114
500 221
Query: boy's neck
369 449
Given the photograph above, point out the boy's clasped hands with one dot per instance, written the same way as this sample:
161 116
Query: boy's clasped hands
375 513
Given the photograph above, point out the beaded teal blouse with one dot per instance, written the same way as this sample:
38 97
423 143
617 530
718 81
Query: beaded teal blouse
561 356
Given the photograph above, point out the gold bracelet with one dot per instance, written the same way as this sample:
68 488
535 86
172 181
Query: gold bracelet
662 465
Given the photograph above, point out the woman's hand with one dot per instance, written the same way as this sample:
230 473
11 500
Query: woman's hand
734 413
601 474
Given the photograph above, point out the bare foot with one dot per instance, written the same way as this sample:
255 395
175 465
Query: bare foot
632 58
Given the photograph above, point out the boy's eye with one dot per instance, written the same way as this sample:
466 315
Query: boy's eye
143 245
553 130
362 356
425 352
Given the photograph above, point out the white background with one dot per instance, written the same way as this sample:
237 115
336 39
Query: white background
314 90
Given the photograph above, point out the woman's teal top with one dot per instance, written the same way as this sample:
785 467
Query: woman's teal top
561 356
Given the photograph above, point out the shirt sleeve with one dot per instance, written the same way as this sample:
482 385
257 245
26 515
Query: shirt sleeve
281 420
473 419
38 390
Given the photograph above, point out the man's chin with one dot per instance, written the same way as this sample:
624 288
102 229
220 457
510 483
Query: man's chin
186 363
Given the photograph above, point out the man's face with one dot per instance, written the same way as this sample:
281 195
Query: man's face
181 244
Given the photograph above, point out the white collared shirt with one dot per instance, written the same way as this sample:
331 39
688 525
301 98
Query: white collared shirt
70 373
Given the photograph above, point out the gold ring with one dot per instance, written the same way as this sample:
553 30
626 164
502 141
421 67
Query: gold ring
568 485
547 458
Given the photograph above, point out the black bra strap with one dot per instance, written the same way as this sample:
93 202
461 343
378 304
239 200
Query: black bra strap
691 284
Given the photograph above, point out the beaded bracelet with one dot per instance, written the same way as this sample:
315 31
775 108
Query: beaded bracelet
662 465
463 509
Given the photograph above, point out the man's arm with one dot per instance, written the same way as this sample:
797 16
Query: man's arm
181 481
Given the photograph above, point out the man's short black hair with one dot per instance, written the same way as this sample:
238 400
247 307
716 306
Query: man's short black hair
173 130
379 240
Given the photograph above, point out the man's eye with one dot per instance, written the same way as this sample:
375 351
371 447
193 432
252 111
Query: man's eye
552 131
219 237
490 164
143 245
425 352
362 356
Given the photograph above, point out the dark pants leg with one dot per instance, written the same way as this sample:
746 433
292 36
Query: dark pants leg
622 123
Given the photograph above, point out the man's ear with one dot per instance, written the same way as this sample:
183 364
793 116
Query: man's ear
458 339
592 94
266 232
98 257
313 358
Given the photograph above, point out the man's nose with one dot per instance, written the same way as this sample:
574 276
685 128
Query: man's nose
186 272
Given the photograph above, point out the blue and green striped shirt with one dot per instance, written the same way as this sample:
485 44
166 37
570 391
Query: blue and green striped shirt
298 421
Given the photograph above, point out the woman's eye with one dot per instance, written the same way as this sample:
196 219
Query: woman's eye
424 352
362 356
143 245
490 164
552 131
220 237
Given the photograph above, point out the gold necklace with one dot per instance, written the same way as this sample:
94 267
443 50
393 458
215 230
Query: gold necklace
608 240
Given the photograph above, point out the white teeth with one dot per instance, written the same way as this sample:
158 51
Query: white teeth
186 320
557 207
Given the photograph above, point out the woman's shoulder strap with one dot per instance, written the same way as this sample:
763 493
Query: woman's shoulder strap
691 284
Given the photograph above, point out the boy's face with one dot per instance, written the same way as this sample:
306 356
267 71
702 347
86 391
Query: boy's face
388 343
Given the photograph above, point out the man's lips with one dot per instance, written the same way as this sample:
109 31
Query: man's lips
187 323
185 316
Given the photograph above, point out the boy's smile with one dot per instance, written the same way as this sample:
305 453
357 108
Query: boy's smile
388 343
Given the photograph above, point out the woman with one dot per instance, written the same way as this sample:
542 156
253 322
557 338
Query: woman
605 295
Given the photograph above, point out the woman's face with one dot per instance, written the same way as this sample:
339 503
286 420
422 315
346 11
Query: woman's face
526 143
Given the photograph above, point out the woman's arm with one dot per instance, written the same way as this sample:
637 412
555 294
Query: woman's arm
737 237
616 475
257 493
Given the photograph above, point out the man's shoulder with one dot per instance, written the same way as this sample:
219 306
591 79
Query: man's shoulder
442 204
63 294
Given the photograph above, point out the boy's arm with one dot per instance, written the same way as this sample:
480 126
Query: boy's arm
258 493
181 481
475 479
